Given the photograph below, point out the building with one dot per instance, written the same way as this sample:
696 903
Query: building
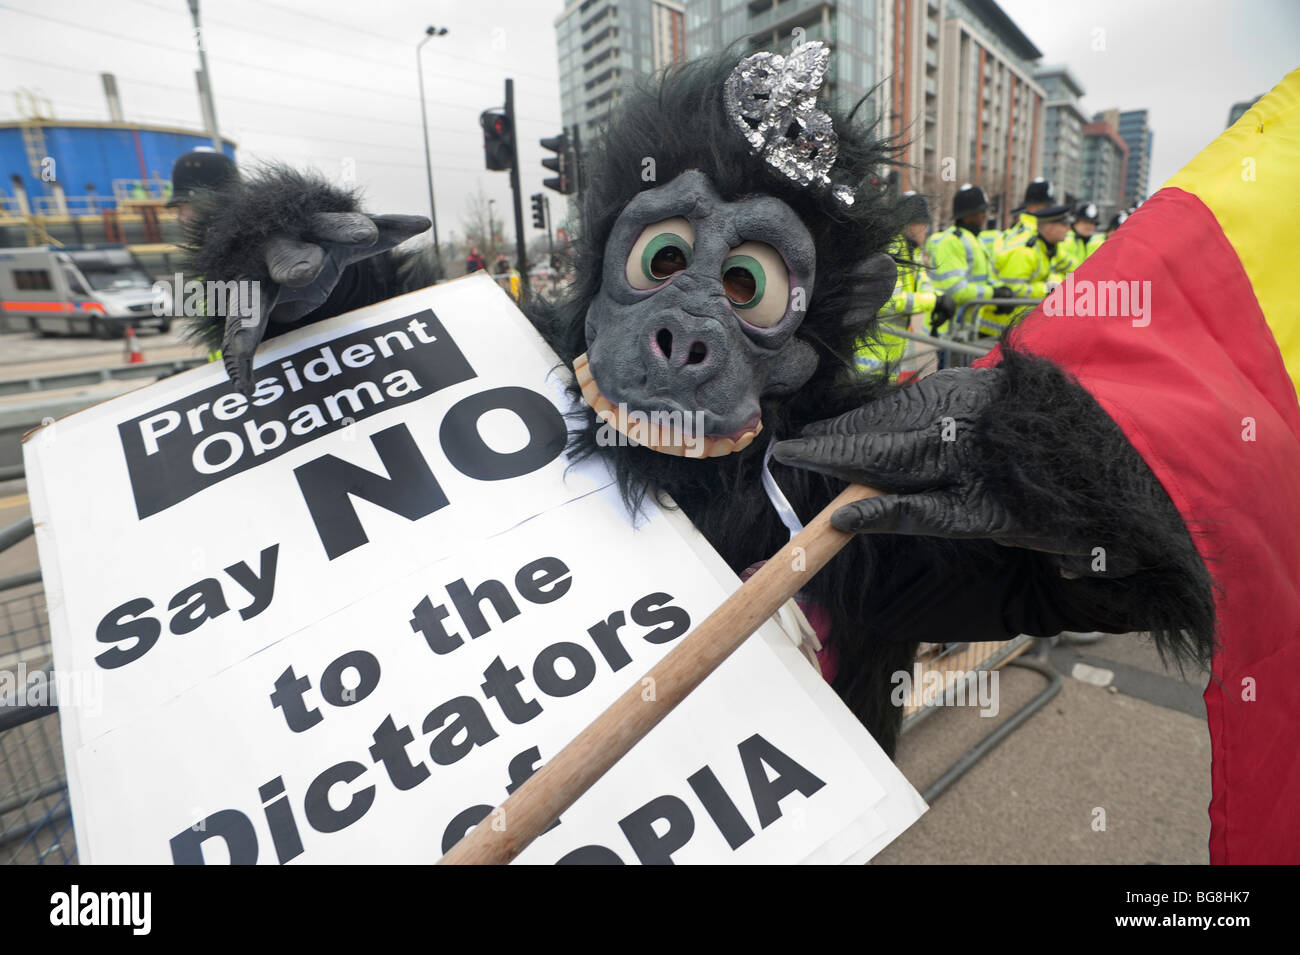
604 46
69 182
852 30
910 87
1063 132
1239 109
925 64
1105 160
991 109
1131 125
1137 135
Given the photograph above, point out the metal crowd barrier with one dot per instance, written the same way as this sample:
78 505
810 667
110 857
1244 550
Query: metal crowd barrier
965 322
947 665
958 343
95 376
955 663
35 814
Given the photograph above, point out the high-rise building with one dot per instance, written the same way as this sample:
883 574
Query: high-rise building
852 30
606 45
1105 158
991 110
926 64
1063 132
1137 135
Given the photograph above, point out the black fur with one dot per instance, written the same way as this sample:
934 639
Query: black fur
1053 453
1057 460
226 236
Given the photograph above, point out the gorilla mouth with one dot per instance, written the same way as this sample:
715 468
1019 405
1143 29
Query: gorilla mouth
665 432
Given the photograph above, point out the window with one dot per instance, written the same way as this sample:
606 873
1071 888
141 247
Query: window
33 280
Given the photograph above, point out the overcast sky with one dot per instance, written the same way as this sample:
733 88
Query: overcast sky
312 83
1187 61
315 84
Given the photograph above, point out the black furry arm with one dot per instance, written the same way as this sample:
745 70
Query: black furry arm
1052 456
1045 516
231 231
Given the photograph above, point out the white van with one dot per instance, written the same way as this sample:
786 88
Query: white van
98 290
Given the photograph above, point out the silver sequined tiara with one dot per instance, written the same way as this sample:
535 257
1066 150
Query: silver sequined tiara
772 100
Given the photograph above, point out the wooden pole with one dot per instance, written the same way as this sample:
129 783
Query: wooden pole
555 787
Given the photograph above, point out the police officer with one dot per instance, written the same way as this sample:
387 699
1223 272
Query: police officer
204 168
1030 266
1038 196
914 298
991 237
962 267
1083 240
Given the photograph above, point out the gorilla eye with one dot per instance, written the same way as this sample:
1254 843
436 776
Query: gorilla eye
743 281
666 254
662 250
755 279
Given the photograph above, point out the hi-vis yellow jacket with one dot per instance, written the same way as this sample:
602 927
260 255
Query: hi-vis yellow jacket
1027 268
1075 249
913 295
1018 233
991 239
962 266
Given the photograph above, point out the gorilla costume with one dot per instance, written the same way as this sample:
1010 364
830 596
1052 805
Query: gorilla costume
731 253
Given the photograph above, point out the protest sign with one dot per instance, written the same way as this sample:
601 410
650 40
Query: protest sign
341 620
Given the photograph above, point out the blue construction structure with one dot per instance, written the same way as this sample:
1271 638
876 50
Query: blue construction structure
95 164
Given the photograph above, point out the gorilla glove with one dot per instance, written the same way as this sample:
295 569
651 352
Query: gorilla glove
920 445
303 271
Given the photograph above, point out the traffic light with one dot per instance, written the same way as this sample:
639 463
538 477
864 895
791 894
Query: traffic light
563 163
539 211
498 139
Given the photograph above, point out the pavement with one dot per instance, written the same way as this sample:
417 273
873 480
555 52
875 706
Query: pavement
1114 769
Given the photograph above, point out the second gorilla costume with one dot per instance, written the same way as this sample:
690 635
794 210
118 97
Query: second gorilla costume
732 252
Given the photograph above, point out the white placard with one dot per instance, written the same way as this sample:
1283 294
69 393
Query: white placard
326 625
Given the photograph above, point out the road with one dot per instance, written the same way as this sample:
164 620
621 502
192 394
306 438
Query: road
28 356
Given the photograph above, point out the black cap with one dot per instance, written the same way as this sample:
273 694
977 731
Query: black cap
1087 212
913 208
1116 221
1040 191
968 199
1059 213
201 169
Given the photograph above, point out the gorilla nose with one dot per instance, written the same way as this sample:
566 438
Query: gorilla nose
680 353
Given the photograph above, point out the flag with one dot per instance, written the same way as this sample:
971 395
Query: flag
1200 369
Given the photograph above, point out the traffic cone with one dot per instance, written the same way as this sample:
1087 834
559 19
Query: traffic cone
133 354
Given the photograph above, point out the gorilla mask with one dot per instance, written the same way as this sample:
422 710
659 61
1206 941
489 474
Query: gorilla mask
696 315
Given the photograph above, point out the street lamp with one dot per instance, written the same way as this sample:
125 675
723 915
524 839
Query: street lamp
429 33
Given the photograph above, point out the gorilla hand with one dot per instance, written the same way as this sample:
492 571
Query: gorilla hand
303 270
921 446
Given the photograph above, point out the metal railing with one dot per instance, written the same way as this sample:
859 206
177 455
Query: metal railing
965 322
35 813
75 379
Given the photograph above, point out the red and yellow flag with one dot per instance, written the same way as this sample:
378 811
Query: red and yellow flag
1201 370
